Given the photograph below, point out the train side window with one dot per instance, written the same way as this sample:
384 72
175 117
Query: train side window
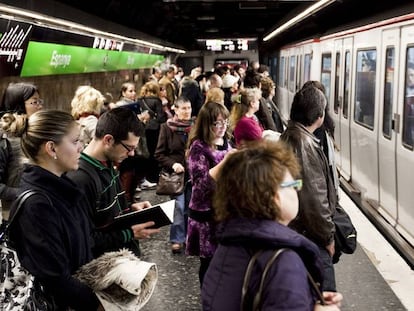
326 73
388 92
336 88
408 113
292 64
273 70
307 67
346 84
364 109
282 72
299 80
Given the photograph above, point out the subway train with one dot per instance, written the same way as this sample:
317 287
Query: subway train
368 73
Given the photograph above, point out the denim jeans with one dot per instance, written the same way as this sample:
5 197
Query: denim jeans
178 229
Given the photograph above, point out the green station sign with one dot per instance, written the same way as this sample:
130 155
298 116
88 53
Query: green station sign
55 59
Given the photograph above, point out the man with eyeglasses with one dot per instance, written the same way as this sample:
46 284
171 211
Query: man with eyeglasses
116 137
317 198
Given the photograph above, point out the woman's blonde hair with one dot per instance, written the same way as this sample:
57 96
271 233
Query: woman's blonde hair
87 100
215 95
241 104
150 88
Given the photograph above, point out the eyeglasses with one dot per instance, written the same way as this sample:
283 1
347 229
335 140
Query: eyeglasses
128 148
296 184
220 124
37 102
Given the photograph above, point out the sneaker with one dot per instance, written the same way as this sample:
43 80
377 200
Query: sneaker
148 185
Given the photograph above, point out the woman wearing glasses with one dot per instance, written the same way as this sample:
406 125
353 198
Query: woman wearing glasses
18 99
256 217
208 145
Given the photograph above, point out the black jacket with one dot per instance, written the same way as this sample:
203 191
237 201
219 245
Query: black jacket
153 105
317 199
53 241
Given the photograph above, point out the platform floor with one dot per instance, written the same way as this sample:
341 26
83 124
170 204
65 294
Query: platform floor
373 278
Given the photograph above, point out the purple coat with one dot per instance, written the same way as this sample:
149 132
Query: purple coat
287 287
200 232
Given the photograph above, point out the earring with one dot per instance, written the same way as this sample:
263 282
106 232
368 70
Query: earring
55 157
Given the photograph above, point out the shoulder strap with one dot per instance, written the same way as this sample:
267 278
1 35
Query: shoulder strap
258 295
16 208
147 107
316 288
247 276
19 203
246 281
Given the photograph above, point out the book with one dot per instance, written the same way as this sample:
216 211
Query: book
162 214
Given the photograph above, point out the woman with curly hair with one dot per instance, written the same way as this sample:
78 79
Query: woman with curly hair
86 108
255 200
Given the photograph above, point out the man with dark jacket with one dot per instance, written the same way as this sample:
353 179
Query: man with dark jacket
317 198
116 137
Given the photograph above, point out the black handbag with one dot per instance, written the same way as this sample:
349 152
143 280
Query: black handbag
345 234
170 183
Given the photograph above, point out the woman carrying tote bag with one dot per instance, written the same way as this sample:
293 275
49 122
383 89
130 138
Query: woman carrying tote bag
170 154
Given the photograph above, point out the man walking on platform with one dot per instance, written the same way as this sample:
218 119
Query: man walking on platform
116 137
317 198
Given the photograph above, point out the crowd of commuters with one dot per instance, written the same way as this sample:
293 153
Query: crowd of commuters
212 127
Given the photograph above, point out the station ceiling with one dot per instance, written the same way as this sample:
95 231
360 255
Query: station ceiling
182 22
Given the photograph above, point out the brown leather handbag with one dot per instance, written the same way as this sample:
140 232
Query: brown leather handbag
170 183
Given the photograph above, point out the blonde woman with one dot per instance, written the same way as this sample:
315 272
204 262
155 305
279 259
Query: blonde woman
215 95
86 107
244 123
52 233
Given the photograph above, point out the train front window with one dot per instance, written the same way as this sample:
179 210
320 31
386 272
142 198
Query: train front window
388 92
364 109
408 113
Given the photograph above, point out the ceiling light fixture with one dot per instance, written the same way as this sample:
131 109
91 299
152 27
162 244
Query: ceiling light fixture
206 18
68 26
301 16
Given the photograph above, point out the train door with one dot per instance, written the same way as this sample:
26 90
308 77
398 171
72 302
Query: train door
386 130
405 137
341 99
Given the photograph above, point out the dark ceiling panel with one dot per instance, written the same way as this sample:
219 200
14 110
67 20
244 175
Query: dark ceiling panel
183 22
